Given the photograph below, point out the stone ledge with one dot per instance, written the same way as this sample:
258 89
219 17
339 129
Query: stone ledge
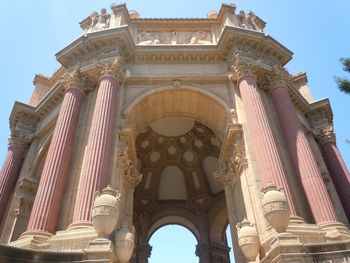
21 255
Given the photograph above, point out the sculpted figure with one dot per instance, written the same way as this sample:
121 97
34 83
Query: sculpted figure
201 38
101 21
146 38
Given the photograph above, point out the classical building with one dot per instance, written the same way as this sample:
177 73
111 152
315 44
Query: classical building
193 122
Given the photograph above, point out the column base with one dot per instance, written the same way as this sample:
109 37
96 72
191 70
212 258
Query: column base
335 231
79 225
33 240
101 250
285 247
73 239
296 220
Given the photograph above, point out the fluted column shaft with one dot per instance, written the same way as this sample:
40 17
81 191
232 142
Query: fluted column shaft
303 157
339 173
9 175
268 160
50 190
94 168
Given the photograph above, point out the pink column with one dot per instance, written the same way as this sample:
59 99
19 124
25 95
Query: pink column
93 174
337 169
303 157
268 160
48 198
9 173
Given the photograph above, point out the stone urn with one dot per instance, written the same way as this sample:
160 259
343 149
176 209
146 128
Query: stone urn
275 207
248 239
105 211
124 242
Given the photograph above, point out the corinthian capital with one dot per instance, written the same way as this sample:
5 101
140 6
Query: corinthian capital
75 79
23 127
325 134
278 77
242 67
19 139
114 68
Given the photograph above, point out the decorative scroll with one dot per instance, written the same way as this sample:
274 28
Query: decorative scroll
132 176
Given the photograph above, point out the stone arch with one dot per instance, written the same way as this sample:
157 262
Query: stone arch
218 222
186 101
176 220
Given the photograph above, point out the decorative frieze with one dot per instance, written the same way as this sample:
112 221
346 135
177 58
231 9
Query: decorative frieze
174 38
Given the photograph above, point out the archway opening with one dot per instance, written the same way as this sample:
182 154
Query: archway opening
230 245
173 244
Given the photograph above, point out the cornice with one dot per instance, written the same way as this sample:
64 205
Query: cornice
97 43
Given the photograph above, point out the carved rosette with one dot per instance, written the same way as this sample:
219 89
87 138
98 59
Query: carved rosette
130 173
114 68
326 134
242 67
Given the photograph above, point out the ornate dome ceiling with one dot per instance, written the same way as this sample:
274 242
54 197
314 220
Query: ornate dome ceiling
177 157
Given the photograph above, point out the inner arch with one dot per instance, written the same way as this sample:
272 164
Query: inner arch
179 102
173 244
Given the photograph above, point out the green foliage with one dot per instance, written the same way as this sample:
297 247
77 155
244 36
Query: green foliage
343 83
346 64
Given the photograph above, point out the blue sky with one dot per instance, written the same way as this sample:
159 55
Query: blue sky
33 31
